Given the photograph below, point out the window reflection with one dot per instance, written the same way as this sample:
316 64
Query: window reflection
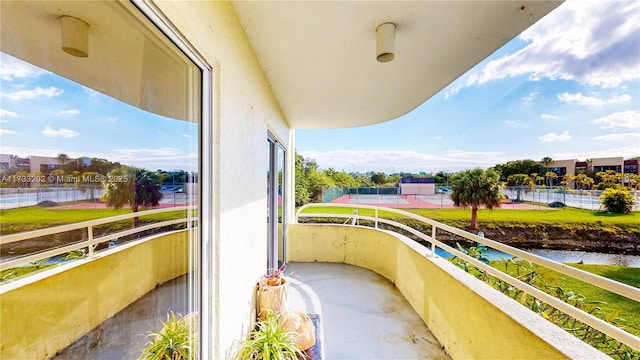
115 135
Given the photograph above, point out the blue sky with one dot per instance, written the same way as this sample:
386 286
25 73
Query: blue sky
568 87
44 114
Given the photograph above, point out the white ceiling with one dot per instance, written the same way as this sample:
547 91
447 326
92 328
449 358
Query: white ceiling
319 56
127 60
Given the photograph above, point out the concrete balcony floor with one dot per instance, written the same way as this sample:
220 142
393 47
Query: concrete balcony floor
362 314
124 334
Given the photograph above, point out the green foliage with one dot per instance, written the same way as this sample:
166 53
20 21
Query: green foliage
550 177
475 188
518 167
379 178
176 341
534 275
270 340
522 181
120 193
147 188
14 273
618 200
133 187
519 180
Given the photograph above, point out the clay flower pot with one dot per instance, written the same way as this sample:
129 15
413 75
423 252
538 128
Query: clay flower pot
274 297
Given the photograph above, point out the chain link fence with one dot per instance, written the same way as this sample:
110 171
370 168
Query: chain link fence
583 199
11 198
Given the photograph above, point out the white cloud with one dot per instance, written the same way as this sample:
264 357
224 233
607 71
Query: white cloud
12 68
624 151
6 132
452 92
148 152
402 160
549 117
528 100
65 133
6 114
38 92
90 92
627 119
511 123
620 137
592 42
24 152
160 158
437 138
590 100
70 112
110 119
553 137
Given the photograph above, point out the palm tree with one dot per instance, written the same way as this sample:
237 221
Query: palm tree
135 187
550 176
475 188
520 182
63 159
546 161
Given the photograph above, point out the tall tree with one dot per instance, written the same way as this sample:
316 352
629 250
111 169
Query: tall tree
476 188
518 167
520 182
546 161
551 177
63 159
134 187
378 178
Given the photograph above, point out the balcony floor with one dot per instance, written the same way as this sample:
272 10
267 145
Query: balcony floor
362 314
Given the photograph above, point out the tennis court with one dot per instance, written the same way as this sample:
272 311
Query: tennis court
437 201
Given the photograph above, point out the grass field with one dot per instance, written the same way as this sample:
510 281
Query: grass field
626 309
33 218
566 215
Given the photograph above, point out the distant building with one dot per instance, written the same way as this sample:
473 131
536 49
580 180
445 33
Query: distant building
31 164
574 167
631 167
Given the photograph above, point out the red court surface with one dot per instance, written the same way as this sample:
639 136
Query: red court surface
103 205
416 202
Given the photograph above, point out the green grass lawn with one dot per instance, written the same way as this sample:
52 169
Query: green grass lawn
33 218
627 309
566 215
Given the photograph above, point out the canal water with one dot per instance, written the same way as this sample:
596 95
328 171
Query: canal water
565 256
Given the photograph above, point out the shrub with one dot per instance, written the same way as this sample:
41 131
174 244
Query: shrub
617 200
176 341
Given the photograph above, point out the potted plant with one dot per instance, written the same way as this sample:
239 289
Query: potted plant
177 340
273 291
270 340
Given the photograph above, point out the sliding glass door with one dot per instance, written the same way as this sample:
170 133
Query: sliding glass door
276 227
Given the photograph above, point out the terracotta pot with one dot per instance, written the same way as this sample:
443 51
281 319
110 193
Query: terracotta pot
275 298
301 323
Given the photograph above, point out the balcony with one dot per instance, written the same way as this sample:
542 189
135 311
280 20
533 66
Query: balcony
377 294
361 314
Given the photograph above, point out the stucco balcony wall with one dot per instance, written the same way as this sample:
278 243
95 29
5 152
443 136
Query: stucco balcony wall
45 312
469 318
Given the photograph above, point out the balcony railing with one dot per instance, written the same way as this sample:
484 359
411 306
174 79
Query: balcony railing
90 243
436 227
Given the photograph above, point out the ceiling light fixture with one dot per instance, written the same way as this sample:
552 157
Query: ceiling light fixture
75 36
386 37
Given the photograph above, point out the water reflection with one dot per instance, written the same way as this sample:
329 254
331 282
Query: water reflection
566 256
